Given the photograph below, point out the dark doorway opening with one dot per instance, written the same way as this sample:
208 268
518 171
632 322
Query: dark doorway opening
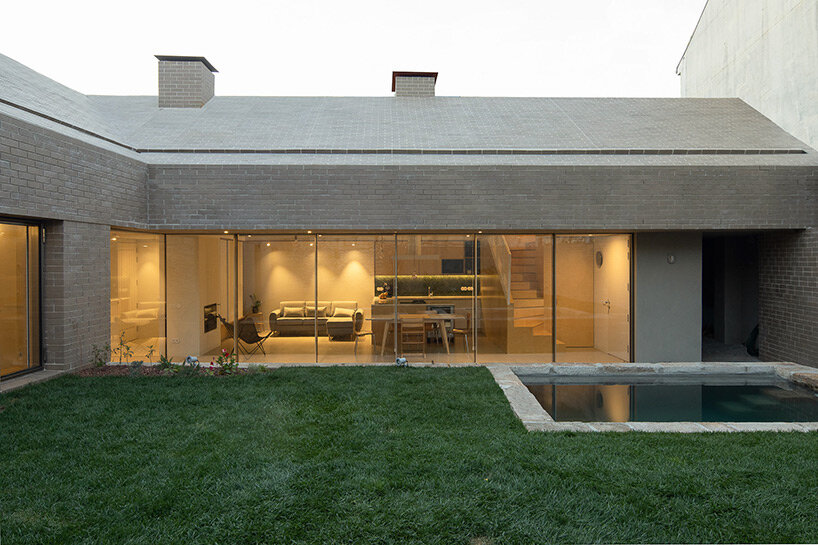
730 298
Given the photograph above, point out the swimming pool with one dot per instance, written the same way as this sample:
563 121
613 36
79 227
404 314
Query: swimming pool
662 397
683 398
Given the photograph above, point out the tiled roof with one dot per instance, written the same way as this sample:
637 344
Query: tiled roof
407 127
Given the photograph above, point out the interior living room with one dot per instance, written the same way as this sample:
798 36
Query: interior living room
370 298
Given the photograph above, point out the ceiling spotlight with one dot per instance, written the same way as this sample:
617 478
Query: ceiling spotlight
268 244
225 232
309 232
112 238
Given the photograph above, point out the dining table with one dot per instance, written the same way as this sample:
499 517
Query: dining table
439 318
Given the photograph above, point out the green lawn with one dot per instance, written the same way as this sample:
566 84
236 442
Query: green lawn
372 455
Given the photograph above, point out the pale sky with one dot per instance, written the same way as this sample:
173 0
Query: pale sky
350 48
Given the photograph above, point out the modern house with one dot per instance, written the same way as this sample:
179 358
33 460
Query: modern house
354 229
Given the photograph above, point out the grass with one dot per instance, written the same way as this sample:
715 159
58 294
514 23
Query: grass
372 455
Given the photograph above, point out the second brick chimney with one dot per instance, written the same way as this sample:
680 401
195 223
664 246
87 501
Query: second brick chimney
185 82
414 84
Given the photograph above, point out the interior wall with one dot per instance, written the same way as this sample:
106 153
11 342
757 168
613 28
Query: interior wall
347 273
284 271
668 297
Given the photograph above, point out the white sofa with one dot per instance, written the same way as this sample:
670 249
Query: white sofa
334 318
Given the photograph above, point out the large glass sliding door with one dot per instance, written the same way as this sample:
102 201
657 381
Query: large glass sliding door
279 317
355 273
436 313
19 298
593 283
201 295
137 296
515 298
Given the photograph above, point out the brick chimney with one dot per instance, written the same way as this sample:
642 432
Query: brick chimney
414 84
185 82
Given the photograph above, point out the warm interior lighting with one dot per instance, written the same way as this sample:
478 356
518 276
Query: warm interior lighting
225 232
309 232
112 238
268 244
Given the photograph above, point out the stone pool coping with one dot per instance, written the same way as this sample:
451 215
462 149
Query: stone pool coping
535 418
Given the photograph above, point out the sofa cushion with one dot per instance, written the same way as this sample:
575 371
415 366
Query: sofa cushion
341 312
293 312
322 311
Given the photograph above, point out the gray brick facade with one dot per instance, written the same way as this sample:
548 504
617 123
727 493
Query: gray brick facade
788 297
495 197
47 175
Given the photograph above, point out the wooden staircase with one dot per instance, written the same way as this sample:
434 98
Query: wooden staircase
527 292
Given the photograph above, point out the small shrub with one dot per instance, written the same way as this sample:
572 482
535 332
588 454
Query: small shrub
166 364
225 364
135 367
102 354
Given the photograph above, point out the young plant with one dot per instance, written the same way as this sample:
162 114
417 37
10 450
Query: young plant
225 363
166 364
135 367
151 352
102 354
124 349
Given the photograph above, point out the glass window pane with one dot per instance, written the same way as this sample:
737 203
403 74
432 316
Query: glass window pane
435 290
34 296
593 298
277 276
200 296
514 299
137 296
13 298
355 273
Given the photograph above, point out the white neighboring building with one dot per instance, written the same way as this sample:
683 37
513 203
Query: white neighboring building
762 51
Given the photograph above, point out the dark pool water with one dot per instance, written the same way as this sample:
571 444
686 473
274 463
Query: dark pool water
690 400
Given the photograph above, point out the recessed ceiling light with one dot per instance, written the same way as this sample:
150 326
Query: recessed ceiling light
268 244
309 232
225 232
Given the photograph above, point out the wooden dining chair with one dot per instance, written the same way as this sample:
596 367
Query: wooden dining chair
413 336
465 331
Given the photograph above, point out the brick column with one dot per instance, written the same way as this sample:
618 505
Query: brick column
76 292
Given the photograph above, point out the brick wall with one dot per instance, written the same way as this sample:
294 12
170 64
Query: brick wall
515 197
76 292
184 84
414 86
788 297
47 175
